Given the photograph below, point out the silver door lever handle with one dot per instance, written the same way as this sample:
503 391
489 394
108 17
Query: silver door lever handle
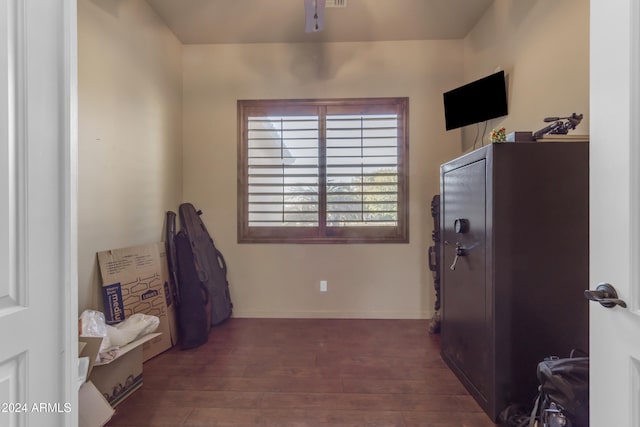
606 295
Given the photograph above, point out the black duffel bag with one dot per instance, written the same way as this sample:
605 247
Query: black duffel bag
563 398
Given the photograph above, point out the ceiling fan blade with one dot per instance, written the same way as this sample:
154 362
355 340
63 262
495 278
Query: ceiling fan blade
314 13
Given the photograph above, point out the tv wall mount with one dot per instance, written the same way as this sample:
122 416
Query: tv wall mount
560 125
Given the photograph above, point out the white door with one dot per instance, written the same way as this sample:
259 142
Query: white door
615 211
38 290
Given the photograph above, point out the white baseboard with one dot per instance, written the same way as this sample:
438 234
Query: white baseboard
332 314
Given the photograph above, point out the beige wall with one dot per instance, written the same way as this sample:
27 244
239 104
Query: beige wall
155 132
282 280
130 165
543 46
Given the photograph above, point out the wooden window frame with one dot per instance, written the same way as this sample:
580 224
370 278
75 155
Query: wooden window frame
323 233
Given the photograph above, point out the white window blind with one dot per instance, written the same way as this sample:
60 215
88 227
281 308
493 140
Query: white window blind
283 171
362 172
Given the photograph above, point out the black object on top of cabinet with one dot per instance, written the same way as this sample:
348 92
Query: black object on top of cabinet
514 245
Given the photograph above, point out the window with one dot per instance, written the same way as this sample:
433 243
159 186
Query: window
323 171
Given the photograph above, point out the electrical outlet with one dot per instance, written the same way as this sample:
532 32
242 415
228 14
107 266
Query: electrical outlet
323 286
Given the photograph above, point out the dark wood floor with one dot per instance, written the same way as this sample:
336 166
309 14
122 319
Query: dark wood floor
304 372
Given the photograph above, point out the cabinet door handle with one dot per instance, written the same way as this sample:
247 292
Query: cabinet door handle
433 262
460 251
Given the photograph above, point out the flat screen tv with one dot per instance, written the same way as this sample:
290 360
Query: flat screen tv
475 102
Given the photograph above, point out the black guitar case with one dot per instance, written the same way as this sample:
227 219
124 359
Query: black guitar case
209 262
193 310
172 261
190 295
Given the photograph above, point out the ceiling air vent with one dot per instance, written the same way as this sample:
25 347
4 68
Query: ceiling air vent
336 3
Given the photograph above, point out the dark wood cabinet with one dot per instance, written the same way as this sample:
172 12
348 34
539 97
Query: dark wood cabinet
516 217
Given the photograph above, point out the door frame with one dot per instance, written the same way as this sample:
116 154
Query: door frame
70 115
69 294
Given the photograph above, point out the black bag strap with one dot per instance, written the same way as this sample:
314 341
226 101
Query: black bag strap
579 351
536 407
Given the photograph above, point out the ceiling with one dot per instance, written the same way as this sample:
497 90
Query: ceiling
283 21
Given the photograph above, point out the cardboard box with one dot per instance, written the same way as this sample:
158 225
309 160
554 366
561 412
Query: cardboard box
93 409
118 378
520 136
89 347
136 280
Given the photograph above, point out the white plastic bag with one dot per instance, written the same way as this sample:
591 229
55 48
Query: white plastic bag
132 328
94 325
